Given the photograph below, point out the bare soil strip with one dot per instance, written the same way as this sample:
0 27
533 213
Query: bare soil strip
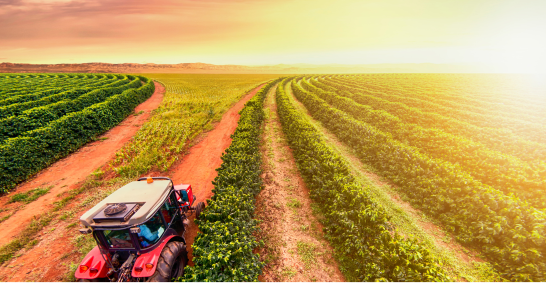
66 174
463 263
58 244
294 245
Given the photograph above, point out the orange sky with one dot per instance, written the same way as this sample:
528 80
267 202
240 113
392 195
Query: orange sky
508 34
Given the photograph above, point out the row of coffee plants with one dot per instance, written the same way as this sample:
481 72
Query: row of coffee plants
531 131
60 93
18 92
223 251
30 91
40 116
366 246
503 172
506 230
16 85
461 101
23 156
496 139
479 93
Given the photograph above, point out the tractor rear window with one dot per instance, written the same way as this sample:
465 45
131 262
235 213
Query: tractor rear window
118 238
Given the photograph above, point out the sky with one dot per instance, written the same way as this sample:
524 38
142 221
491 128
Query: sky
509 35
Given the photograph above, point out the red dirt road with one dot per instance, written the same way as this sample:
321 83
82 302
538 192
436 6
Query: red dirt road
199 166
65 174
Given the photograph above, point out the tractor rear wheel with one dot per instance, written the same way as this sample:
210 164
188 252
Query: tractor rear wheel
171 263
199 209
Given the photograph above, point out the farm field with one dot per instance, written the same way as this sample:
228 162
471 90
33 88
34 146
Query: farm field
63 199
376 232
489 198
369 177
44 117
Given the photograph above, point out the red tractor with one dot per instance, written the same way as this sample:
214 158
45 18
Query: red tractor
139 230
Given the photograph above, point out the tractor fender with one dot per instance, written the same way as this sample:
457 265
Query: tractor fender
93 260
152 257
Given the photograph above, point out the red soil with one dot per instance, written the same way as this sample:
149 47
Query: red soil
65 174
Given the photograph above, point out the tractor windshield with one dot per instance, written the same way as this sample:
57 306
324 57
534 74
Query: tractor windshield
118 238
151 231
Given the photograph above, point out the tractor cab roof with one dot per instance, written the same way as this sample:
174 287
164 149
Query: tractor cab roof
132 204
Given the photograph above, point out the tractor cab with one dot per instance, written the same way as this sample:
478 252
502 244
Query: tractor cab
137 228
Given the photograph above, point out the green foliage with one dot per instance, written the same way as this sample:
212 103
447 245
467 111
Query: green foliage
24 239
507 230
223 251
294 203
31 89
182 115
528 124
23 156
29 196
307 252
38 117
366 247
496 138
496 169
63 93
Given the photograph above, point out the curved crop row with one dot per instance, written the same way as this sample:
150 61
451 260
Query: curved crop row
508 231
17 108
17 85
487 91
40 116
18 91
31 88
460 97
498 170
223 251
527 130
24 156
50 88
496 139
459 101
366 247
445 103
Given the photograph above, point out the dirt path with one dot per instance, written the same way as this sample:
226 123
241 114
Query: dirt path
67 173
295 248
463 263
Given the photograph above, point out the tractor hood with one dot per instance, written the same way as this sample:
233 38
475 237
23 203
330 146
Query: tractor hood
139 196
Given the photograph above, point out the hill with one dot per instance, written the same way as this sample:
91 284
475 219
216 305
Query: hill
203 68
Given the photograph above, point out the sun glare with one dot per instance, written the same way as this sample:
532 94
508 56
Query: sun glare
519 49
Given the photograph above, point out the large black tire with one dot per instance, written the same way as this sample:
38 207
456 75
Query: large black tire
199 209
171 263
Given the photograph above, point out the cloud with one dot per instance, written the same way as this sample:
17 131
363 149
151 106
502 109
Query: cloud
33 22
249 31
10 2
